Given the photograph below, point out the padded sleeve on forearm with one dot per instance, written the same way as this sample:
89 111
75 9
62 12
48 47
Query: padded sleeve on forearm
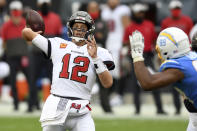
41 42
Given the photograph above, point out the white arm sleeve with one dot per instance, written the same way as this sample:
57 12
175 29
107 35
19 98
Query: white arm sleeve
41 42
104 54
106 57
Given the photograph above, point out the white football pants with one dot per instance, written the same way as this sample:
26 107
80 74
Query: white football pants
192 126
77 123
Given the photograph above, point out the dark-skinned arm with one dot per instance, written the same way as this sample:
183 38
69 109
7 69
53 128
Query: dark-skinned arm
150 81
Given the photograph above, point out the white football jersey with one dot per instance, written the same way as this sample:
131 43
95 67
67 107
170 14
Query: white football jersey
114 21
73 71
115 34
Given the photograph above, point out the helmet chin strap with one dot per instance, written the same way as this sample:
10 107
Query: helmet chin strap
78 39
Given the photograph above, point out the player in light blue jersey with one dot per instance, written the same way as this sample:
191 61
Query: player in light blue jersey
179 67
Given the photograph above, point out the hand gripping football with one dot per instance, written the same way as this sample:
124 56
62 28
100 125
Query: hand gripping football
35 21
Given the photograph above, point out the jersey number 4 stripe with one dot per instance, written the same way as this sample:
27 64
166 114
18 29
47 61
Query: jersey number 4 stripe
76 69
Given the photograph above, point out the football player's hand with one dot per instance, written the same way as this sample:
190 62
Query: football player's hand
91 47
137 46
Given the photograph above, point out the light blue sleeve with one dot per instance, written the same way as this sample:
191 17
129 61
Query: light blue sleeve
171 64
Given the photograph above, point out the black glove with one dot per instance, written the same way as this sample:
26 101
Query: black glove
190 106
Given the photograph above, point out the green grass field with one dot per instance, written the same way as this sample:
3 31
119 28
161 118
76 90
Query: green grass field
32 124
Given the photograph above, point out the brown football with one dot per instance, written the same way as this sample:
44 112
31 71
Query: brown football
35 21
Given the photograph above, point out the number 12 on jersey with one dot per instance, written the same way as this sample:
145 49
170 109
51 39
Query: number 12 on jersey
75 69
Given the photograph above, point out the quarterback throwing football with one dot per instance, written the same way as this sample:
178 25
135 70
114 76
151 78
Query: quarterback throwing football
75 65
179 67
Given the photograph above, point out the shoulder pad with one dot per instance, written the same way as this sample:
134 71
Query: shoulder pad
170 64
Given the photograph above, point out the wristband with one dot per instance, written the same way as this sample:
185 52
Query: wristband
99 65
136 59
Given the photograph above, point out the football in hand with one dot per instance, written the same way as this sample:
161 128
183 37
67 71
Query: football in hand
34 21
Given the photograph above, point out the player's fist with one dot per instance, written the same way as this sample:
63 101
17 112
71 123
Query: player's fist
137 46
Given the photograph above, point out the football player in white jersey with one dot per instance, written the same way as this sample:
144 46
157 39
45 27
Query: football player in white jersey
117 17
75 66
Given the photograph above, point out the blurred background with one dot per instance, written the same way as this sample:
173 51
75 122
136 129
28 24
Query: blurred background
26 73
